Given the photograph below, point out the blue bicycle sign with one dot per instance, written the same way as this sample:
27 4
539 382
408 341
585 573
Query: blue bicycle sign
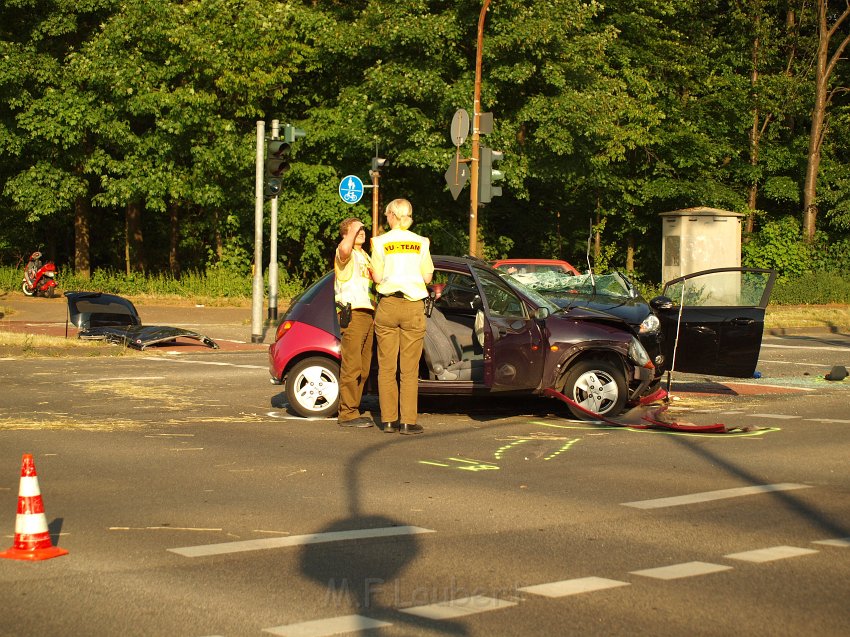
351 189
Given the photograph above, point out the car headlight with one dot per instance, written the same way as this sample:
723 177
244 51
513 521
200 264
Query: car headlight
650 325
638 354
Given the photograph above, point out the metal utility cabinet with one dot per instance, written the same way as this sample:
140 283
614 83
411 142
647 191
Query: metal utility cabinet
701 238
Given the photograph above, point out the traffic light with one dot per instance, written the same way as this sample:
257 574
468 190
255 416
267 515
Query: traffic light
290 133
277 163
487 175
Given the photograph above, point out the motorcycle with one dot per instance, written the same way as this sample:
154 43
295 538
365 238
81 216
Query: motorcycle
39 279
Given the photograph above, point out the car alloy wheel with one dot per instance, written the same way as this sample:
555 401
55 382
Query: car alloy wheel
596 385
312 387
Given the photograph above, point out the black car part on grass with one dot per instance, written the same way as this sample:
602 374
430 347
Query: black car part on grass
112 318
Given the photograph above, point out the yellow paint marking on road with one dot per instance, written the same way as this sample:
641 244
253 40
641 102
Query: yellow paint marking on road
436 464
501 450
562 449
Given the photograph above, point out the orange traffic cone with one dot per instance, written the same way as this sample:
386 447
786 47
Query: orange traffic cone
32 539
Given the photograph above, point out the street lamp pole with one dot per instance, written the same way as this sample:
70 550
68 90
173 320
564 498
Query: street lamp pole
476 122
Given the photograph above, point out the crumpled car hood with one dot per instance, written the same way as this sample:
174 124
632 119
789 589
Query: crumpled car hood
142 336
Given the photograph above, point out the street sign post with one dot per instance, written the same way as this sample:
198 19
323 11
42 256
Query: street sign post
460 128
457 176
351 189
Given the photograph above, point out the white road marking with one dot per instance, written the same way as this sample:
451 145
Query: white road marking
573 586
458 607
330 626
770 554
842 542
678 571
764 360
838 420
217 363
282 415
708 496
817 347
295 540
775 416
114 378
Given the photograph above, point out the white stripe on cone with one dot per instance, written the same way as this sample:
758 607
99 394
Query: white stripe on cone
31 524
29 487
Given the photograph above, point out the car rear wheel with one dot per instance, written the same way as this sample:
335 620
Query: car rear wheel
312 387
596 385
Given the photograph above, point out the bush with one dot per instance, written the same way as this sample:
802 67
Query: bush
814 288
216 283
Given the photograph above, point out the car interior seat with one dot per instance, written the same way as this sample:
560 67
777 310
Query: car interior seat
443 352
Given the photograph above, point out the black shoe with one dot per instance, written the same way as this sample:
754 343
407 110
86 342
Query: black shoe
411 429
361 422
388 427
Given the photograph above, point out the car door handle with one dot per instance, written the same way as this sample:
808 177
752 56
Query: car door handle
743 321
503 331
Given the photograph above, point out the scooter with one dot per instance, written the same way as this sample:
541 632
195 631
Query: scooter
39 280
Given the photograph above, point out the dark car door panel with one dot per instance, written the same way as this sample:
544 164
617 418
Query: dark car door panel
716 321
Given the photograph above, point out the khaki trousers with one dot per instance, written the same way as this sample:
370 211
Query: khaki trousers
356 352
400 330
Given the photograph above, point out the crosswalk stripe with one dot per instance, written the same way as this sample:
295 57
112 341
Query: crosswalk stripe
841 542
707 496
573 586
325 627
458 607
678 571
770 554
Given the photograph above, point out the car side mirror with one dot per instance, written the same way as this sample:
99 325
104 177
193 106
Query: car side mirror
541 313
661 303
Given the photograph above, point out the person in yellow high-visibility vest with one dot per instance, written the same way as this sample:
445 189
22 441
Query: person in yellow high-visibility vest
401 268
356 304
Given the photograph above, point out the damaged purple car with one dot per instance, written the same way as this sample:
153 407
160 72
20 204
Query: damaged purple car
108 317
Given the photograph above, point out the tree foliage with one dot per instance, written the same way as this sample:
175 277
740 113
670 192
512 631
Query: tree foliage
608 114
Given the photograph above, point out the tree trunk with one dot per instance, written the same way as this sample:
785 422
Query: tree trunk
173 263
82 238
219 240
824 67
630 254
755 137
597 241
134 245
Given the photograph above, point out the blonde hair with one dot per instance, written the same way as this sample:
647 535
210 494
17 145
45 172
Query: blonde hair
401 210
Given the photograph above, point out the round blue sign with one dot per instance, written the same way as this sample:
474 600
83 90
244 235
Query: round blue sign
351 189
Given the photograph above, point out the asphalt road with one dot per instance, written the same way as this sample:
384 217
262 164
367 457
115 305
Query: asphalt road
193 503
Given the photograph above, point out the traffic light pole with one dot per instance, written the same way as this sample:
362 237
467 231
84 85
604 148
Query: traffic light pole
476 123
376 214
257 287
272 316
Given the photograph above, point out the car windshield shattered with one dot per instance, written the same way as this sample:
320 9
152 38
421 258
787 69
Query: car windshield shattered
553 283
530 291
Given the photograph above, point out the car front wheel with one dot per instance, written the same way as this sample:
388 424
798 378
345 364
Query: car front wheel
597 386
312 387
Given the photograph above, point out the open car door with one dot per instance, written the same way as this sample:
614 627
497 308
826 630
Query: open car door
513 343
716 320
